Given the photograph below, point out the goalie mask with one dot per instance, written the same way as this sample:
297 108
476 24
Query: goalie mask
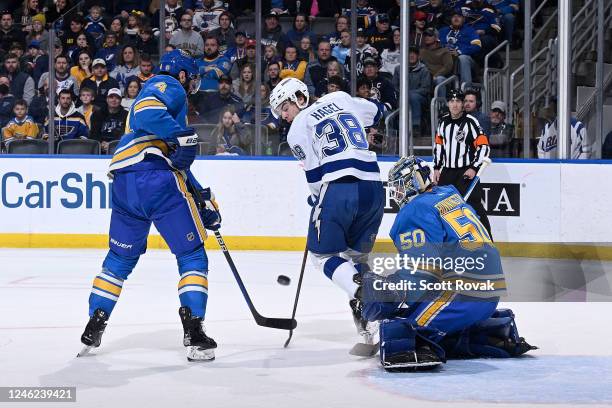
409 177
288 90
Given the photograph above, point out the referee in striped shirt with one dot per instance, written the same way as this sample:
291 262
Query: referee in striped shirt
459 150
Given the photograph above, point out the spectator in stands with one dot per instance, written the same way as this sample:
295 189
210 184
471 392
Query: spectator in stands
83 69
364 51
438 13
40 58
245 86
270 55
69 39
606 148
341 50
278 7
238 50
500 134
56 12
342 24
463 43
580 148
267 118
63 79
21 126
230 135
174 12
8 33
145 70
7 101
300 30
382 89
438 59
39 108
23 15
506 10
366 15
273 74
19 51
116 27
481 16
225 34
206 17
291 67
147 43
249 58
471 104
87 107
129 65
302 6
381 36
186 38
69 124
418 28
419 87
213 66
94 25
334 69
131 91
335 84
108 123
132 28
390 57
305 52
272 33
210 104
38 32
81 45
110 51
394 14
100 82
316 70
22 85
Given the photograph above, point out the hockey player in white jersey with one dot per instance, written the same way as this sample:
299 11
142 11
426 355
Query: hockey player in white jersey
347 195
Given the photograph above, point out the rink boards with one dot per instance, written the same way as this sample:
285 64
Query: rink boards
536 208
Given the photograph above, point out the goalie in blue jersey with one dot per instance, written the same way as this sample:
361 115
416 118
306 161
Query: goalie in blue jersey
152 184
442 301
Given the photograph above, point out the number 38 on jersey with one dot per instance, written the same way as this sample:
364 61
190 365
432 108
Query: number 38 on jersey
340 132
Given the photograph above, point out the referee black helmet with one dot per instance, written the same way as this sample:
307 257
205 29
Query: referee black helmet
455 94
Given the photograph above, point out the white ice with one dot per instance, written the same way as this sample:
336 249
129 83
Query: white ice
43 309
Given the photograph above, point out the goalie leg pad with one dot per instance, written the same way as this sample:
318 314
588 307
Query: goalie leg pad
496 337
404 346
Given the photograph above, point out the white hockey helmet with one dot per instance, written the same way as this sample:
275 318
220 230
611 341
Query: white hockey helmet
287 90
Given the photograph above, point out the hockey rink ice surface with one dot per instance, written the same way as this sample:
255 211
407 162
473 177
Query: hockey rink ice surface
43 310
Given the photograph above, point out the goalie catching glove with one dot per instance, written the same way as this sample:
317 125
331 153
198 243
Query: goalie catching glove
209 210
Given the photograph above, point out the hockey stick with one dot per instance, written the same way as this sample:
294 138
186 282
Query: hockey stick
297 293
485 162
370 350
272 322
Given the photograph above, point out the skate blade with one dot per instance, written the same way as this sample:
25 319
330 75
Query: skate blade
196 354
85 351
412 366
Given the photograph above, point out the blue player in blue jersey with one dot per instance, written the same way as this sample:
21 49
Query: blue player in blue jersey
347 195
152 183
441 305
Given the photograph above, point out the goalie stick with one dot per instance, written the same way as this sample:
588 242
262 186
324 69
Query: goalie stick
272 322
370 350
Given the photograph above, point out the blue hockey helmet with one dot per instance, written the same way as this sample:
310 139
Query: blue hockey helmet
409 177
178 60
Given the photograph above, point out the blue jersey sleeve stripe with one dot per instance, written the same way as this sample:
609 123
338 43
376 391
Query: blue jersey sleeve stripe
315 175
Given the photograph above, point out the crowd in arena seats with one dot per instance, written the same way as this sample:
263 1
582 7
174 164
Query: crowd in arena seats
105 51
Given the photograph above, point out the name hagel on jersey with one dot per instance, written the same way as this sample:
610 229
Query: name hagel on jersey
329 138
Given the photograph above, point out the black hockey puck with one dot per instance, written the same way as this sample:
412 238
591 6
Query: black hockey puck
283 280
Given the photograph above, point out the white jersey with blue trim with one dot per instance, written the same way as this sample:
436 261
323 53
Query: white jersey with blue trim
579 145
330 139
